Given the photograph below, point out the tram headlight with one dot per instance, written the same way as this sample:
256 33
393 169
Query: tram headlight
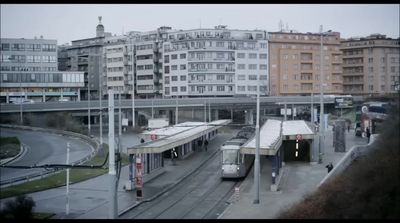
237 168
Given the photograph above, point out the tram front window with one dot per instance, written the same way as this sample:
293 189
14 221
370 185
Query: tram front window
229 156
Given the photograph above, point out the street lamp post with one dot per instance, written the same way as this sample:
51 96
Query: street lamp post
20 100
257 154
321 91
88 105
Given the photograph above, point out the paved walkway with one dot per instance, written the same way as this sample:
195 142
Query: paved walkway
298 179
88 199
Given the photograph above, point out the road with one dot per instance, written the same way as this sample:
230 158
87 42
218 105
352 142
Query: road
217 102
42 148
203 195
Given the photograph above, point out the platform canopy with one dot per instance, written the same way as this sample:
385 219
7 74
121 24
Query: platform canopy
182 137
296 128
273 132
270 139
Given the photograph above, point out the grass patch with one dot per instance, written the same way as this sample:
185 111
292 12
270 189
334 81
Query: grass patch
9 147
59 179
42 215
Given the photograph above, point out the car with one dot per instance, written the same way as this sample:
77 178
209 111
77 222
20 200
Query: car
64 99
24 101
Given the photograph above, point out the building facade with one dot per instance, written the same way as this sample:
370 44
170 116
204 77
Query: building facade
86 55
29 70
371 65
215 62
295 63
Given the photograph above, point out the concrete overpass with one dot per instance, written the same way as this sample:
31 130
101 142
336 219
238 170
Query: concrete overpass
217 102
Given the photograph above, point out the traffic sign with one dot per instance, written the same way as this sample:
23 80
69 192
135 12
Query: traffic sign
298 137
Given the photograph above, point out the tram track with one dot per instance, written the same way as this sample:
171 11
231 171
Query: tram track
195 197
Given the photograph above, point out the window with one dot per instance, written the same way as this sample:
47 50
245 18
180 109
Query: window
241 77
393 69
252 56
370 60
174 56
252 88
220 44
183 67
263 67
220 88
241 88
263 45
263 56
183 89
166 59
183 78
182 56
241 55
167 90
5 47
148 67
174 67
252 66
252 77
174 89
241 66
166 69
263 77
166 80
251 45
174 78
220 77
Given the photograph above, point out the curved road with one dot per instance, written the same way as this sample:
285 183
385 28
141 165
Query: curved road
42 148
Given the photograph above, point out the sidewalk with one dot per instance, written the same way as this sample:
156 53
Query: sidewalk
298 179
89 199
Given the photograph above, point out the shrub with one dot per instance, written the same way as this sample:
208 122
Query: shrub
20 208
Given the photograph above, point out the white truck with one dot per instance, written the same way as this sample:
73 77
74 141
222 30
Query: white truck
157 123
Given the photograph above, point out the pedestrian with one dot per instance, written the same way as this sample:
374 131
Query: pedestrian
333 128
329 166
368 134
348 127
199 143
206 144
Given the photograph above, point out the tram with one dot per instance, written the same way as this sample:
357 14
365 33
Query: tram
234 164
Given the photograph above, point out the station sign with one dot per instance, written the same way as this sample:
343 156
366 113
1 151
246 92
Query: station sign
343 102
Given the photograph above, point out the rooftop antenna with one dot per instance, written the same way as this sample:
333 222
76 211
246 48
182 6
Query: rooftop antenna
280 25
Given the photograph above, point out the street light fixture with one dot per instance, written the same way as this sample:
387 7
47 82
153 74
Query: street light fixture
321 91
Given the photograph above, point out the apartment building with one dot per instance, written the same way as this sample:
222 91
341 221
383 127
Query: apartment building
371 65
215 62
118 71
295 66
29 70
86 55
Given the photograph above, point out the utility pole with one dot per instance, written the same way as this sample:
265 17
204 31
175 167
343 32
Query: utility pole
119 116
101 112
88 105
111 166
67 187
176 112
321 97
257 159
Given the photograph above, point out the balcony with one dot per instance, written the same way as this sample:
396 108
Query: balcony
203 59
213 70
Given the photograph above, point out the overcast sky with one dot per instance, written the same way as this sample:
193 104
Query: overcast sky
78 21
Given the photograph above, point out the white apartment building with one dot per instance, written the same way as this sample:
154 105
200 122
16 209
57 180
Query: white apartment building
118 69
215 62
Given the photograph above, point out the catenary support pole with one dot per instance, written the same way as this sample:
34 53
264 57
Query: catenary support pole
111 167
